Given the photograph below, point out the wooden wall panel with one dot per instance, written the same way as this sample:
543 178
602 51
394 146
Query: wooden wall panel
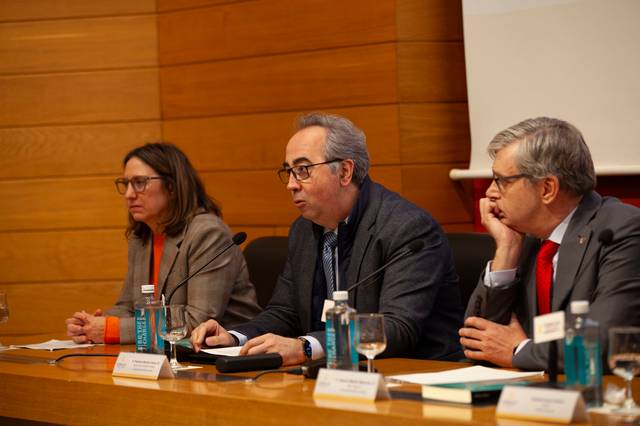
40 308
79 97
22 10
258 141
128 41
261 28
322 79
71 150
428 20
434 133
66 256
60 203
431 72
429 187
170 5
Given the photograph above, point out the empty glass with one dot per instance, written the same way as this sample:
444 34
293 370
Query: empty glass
172 327
624 360
4 312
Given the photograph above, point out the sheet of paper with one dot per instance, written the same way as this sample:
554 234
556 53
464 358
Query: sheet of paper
230 351
53 344
476 373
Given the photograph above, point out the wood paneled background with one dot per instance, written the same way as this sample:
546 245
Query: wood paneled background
82 82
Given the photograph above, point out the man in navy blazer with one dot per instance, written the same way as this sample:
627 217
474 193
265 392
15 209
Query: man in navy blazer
326 171
542 195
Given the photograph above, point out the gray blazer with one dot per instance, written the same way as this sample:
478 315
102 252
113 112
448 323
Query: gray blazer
605 274
419 295
221 291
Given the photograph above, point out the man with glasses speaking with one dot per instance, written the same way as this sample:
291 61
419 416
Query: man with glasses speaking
349 227
557 241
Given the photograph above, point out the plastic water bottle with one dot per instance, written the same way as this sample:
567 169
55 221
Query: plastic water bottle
582 356
340 343
147 313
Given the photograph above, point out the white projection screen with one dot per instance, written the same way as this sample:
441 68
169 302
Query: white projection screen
578 60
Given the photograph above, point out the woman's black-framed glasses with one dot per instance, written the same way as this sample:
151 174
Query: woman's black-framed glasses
300 172
139 183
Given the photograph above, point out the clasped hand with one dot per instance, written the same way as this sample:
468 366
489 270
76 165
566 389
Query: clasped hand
83 327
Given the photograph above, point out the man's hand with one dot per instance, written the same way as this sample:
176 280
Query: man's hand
486 340
210 333
508 240
289 349
86 328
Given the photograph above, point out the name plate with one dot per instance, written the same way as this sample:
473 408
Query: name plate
548 327
347 385
540 404
142 366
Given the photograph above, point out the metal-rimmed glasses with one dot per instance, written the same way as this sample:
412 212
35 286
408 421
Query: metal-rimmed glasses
139 183
300 172
501 181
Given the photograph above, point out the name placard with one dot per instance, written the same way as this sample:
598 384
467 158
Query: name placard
347 385
142 366
548 327
540 404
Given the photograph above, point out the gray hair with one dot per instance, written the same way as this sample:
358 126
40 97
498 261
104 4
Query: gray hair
550 147
344 141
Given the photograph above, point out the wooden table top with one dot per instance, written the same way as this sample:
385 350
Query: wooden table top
82 391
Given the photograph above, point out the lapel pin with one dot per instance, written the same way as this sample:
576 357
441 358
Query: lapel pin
581 239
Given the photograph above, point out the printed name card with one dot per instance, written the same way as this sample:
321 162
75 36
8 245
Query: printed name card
548 327
350 386
541 404
142 366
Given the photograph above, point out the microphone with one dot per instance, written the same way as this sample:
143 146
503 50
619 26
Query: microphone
413 247
236 240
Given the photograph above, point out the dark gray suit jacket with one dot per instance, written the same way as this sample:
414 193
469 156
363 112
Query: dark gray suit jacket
605 274
419 294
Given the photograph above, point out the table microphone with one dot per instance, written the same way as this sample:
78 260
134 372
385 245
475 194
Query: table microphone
413 247
236 240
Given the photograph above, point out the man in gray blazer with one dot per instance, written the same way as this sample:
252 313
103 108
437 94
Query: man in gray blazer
326 170
541 210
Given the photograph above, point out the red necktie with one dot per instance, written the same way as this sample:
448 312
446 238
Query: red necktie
544 275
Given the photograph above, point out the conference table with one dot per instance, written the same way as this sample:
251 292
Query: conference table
82 390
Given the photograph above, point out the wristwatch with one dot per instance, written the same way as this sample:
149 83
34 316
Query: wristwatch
306 348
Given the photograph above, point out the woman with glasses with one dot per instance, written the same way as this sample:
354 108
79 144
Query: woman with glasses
174 229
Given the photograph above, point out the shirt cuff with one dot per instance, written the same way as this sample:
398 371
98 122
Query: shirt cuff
242 339
316 348
498 279
521 345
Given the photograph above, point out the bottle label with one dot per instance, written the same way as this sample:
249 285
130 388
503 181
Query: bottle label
331 344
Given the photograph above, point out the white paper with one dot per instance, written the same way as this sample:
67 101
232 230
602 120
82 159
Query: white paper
230 351
53 344
477 373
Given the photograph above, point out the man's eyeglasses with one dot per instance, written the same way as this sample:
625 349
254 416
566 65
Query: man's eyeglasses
300 172
501 181
139 183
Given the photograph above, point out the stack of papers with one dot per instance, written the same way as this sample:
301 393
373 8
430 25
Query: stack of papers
473 374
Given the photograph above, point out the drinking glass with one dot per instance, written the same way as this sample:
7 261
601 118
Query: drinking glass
370 337
624 360
172 327
4 312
